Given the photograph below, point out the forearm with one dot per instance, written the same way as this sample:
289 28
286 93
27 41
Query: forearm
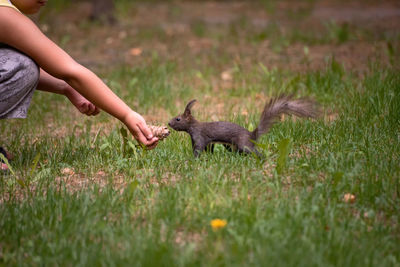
88 85
51 84
96 91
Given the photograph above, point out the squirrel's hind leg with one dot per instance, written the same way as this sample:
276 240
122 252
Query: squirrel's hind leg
230 148
249 148
210 147
252 151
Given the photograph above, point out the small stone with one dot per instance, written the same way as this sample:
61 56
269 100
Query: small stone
136 51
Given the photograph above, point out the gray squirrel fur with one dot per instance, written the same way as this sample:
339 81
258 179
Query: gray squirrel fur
205 134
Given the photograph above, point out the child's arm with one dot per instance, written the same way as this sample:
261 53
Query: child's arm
20 32
51 84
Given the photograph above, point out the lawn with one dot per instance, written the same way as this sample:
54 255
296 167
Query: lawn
326 193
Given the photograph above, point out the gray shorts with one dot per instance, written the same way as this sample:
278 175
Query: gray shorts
19 76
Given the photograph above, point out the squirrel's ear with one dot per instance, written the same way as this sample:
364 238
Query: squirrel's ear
189 106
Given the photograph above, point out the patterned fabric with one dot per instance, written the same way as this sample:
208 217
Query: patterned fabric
19 76
8 3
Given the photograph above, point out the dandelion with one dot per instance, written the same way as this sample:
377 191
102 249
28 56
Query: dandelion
217 224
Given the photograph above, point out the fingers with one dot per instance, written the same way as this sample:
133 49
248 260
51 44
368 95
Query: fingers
139 135
139 129
89 109
154 144
144 129
82 104
96 111
83 108
93 110
151 141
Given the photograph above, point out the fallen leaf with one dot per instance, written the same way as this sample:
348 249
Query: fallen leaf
67 171
226 75
101 173
122 35
135 51
349 198
109 40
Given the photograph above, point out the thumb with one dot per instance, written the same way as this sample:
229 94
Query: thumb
146 131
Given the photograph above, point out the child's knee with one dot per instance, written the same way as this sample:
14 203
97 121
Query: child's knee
18 69
29 73
19 76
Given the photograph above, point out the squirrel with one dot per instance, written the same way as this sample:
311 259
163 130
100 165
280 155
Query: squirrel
233 136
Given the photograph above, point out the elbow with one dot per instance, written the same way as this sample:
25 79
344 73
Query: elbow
72 73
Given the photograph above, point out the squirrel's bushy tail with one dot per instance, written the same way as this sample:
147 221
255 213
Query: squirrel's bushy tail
284 104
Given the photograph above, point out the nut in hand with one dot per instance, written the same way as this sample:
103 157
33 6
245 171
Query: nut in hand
161 132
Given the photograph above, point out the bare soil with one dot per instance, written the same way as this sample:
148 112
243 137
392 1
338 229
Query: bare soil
169 29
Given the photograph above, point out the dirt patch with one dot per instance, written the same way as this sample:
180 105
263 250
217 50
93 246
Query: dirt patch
185 32
357 12
183 238
74 182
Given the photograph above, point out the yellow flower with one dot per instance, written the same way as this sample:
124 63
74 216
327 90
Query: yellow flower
217 224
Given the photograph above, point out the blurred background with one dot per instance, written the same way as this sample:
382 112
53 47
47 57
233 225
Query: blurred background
295 35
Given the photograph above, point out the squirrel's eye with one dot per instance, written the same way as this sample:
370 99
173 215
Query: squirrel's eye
178 119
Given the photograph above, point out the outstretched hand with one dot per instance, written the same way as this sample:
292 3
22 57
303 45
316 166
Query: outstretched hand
82 104
139 129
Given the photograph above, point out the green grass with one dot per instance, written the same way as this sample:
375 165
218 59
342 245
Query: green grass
126 206
162 214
